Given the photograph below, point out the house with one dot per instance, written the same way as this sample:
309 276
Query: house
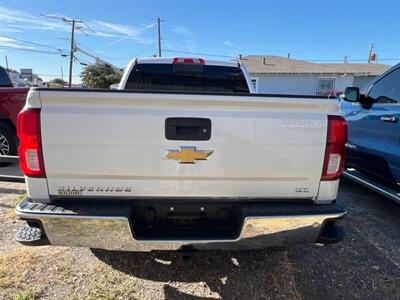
279 75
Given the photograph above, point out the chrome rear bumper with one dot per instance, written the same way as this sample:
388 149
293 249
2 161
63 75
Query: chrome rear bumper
105 228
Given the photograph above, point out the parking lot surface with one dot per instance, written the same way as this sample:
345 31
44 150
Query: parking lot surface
365 265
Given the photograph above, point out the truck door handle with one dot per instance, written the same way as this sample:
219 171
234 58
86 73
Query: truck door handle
188 129
389 119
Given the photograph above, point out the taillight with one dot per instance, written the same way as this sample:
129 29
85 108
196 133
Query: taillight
334 152
184 60
30 143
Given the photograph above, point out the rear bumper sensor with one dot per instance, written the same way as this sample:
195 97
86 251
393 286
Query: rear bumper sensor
130 226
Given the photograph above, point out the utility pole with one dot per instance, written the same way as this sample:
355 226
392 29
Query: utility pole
159 36
370 52
6 63
71 58
62 74
73 22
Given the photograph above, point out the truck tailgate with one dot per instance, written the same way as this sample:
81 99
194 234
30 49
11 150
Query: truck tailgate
113 144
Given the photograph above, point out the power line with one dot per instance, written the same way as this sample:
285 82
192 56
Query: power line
83 61
97 59
315 60
81 30
64 54
355 60
47 74
92 30
33 50
194 53
31 43
86 49
71 58
140 52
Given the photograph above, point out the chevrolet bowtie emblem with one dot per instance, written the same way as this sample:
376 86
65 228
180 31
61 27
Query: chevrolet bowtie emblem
188 155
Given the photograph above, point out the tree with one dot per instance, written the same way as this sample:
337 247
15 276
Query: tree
58 81
99 76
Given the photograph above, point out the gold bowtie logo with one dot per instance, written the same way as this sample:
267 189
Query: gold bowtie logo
188 155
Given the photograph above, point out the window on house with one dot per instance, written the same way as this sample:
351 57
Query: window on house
254 82
325 86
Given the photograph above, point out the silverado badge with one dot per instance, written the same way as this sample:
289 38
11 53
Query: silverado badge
188 155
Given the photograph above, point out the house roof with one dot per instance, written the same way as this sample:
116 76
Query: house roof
262 64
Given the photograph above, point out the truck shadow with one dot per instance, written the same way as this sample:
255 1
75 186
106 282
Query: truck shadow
242 274
7 190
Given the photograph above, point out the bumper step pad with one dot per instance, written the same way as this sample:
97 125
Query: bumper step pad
32 236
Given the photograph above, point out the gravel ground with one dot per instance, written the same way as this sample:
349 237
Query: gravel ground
365 265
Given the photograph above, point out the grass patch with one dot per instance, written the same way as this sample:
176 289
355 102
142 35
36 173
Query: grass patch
10 214
29 294
14 267
19 198
112 285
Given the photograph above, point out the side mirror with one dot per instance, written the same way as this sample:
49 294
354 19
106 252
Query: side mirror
352 94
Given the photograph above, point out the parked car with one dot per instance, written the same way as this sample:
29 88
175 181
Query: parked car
374 133
184 156
12 100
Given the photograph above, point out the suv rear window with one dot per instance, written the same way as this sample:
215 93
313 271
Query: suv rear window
187 77
4 79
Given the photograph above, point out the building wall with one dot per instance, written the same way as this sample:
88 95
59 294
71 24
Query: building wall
297 84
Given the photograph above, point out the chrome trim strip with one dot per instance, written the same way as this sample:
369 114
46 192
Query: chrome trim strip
114 233
380 189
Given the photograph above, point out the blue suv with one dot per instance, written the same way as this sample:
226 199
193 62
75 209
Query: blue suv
373 117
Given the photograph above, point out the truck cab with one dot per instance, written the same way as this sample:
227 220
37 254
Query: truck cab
374 129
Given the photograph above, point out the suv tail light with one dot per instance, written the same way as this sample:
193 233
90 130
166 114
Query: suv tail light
184 60
334 152
30 143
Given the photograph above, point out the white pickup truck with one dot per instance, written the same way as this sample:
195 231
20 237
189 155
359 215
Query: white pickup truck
183 156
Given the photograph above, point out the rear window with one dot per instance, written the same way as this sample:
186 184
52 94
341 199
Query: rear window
187 77
4 79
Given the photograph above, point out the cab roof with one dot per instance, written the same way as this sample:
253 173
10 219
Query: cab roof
168 60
